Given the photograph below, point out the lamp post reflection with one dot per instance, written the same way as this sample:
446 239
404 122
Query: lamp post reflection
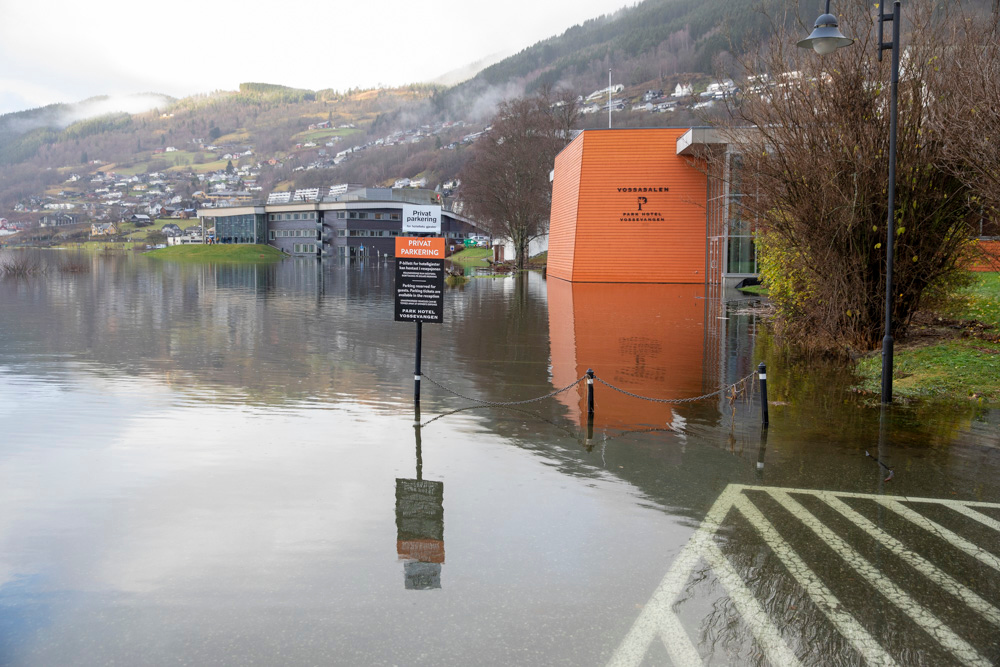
420 527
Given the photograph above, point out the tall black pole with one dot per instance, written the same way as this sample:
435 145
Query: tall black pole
416 368
887 340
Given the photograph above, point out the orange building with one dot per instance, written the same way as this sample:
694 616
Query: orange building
637 206
988 255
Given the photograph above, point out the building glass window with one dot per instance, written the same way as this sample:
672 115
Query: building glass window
741 255
240 228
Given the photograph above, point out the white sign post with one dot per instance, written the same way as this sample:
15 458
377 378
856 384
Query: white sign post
421 219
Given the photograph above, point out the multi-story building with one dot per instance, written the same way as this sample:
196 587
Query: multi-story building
359 222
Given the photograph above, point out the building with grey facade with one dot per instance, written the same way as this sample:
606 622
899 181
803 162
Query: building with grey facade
359 222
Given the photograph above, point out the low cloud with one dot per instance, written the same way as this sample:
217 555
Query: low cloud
60 116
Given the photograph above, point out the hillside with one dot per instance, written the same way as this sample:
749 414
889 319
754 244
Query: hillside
265 137
654 40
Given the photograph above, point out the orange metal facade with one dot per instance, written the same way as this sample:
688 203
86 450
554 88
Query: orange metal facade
627 209
988 258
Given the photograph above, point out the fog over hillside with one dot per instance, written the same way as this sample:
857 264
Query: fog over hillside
61 116
466 72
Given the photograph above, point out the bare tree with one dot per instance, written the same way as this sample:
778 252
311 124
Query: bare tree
815 173
506 183
974 122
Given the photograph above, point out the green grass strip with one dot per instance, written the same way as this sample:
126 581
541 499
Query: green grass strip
219 253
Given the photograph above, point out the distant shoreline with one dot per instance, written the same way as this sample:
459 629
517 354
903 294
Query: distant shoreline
248 253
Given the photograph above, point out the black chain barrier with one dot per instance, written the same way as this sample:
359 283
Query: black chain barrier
502 403
517 411
733 386
676 401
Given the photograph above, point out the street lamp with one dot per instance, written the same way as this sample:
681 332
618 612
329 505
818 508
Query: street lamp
826 38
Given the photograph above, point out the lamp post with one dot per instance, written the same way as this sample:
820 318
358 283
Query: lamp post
826 38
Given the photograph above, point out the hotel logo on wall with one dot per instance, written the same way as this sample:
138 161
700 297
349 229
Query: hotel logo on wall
421 219
642 209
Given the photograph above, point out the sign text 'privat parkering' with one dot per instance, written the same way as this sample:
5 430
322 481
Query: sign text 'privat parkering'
419 279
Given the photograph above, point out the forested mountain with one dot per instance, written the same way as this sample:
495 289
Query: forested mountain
653 39
300 138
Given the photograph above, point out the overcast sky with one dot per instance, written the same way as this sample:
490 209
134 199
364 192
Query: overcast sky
61 51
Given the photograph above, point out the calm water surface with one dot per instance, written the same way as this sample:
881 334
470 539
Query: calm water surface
220 465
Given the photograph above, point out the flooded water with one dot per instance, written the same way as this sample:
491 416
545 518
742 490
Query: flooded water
222 465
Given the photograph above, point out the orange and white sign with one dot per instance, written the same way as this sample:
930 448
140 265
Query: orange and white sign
419 248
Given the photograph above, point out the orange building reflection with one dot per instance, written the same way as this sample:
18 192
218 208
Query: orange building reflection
646 339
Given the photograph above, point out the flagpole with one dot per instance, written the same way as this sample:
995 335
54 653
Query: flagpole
609 98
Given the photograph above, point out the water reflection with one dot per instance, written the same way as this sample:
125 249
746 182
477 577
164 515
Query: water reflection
197 461
420 527
646 339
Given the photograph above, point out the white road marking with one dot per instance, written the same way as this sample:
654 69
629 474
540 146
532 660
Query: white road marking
761 626
919 563
973 550
824 599
930 624
658 618
987 521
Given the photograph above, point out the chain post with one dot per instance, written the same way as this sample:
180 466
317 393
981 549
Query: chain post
590 393
762 374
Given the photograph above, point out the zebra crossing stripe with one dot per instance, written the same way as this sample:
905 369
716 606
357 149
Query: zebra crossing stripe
973 550
930 624
989 522
659 620
761 626
824 599
916 561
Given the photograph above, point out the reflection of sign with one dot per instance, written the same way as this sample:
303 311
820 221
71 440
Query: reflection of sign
419 510
420 531
646 351
419 280
421 576
422 219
